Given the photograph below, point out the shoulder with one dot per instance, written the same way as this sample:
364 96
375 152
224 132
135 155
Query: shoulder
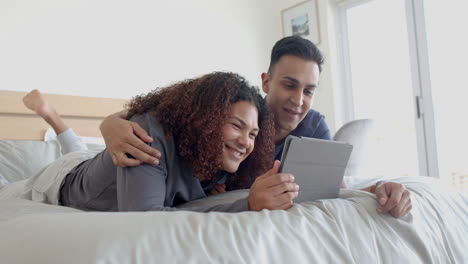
161 140
150 124
313 125
313 117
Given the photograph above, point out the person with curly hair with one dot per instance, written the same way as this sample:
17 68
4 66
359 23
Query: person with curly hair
206 129
290 84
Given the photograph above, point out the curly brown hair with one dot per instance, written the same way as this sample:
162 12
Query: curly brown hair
194 111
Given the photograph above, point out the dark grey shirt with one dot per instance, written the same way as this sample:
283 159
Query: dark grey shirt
98 185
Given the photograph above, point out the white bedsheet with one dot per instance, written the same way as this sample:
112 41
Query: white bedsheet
345 230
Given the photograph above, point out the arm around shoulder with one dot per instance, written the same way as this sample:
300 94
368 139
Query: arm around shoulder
124 137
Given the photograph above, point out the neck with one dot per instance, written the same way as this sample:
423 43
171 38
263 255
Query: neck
280 135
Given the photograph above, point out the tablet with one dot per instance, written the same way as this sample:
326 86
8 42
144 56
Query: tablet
318 166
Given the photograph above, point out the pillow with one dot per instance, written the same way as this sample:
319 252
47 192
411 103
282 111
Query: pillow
95 144
50 135
21 159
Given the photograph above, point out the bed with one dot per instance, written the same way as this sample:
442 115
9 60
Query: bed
344 230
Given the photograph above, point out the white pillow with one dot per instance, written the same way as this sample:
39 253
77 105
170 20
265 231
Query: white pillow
21 159
50 135
96 144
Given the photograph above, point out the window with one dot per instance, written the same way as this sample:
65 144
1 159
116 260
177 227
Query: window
403 63
448 54
381 82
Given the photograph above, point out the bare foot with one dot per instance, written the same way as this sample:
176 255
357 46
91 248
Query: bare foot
35 101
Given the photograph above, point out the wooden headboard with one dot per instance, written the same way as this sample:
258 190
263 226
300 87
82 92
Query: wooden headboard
83 114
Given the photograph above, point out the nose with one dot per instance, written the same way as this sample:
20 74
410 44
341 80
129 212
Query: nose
243 140
297 98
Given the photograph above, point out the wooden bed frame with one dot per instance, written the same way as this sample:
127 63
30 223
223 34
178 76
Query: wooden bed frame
83 114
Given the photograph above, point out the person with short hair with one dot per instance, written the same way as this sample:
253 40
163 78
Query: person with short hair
292 78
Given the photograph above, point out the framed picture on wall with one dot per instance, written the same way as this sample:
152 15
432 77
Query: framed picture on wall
302 20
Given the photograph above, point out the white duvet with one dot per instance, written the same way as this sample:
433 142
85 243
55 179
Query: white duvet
345 230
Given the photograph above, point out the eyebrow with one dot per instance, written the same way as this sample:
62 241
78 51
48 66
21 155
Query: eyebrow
244 124
294 80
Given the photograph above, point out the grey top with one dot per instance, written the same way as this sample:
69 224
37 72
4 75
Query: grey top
98 185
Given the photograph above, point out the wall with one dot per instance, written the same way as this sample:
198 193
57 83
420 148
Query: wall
122 48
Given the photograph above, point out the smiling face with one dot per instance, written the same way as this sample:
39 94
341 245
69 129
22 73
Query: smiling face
290 88
239 134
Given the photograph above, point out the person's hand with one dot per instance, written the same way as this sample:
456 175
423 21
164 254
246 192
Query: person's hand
393 198
273 190
217 189
122 137
343 185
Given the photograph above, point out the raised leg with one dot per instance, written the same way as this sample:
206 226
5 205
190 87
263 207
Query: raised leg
35 101
69 141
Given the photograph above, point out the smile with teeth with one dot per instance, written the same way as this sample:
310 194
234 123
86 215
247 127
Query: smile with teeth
236 153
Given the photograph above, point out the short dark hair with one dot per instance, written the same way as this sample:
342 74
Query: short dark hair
296 46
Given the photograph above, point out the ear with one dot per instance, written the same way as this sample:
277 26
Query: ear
265 82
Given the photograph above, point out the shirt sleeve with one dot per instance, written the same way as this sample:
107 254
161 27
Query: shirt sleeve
240 205
143 187
322 131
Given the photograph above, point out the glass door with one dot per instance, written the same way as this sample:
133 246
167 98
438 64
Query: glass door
447 43
382 88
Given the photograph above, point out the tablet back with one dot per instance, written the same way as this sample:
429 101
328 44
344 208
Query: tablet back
317 165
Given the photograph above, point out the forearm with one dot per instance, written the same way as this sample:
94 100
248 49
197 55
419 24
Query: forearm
143 188
120 115
240 205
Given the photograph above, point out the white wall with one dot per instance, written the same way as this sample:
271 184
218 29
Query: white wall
117 48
